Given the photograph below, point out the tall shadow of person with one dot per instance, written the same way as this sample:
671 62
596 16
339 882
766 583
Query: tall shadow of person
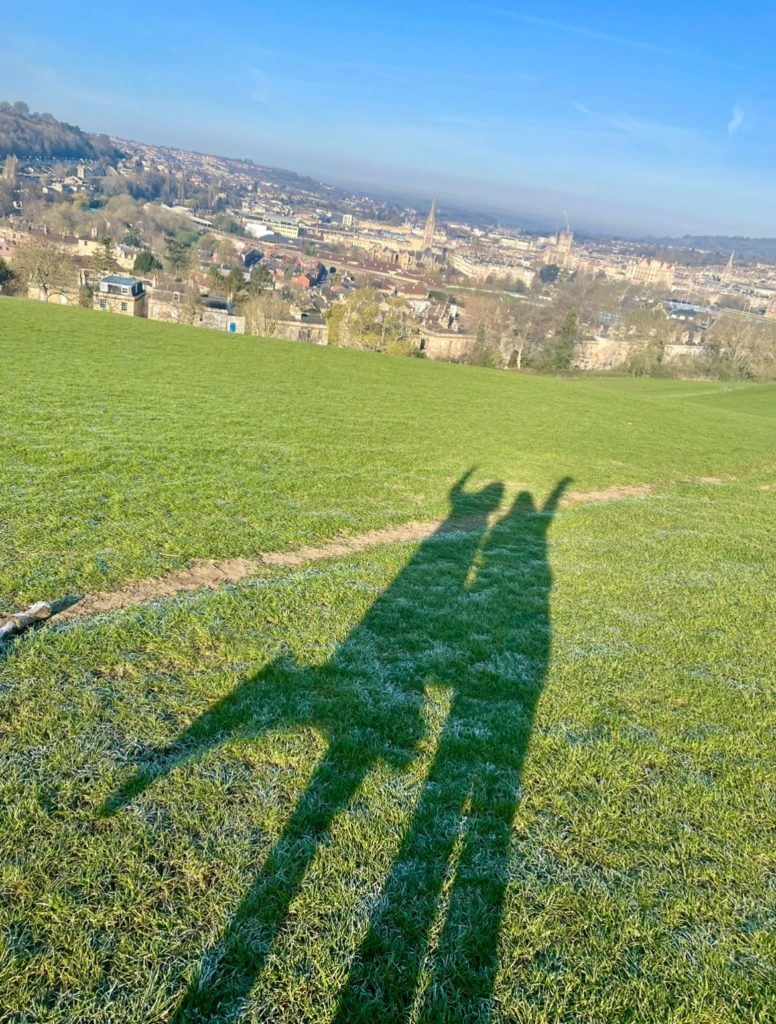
430 953
468 613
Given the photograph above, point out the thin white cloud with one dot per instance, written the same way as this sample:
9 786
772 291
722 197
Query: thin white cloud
655 132
259 87
602 37
736 120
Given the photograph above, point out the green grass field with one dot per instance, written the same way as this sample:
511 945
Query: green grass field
522 772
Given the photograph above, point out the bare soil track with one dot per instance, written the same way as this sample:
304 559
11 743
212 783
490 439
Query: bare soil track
208 574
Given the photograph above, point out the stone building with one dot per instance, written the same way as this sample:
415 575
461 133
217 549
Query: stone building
173 306
651 272
447 345
124 295
182 306
309 327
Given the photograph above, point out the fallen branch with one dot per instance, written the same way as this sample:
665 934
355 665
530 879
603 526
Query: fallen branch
12 625
19 622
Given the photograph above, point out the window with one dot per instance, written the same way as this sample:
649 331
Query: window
124 290
103 303
123 307
176 296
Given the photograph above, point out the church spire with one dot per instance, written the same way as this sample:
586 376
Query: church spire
727 273
428 233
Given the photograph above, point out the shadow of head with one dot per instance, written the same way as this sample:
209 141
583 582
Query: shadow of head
479 504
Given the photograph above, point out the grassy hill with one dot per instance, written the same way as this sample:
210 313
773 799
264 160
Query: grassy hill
520 771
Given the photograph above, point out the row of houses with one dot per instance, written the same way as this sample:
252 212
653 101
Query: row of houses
441 334
132 296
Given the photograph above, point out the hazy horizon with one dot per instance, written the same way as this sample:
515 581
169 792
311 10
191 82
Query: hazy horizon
635 124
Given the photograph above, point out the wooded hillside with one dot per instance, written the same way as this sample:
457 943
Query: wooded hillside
33 136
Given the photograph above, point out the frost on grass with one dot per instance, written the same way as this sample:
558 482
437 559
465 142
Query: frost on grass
508 665
467 728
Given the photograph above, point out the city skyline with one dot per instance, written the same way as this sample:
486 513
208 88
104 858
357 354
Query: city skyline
633 123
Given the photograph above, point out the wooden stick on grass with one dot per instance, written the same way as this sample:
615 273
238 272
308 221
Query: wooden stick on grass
12 625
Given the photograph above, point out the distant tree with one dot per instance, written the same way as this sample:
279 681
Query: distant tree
235 283
549 274
528 326
133 239
261 279
560 349
179 253
334 319
41 136
263 311
192 305
102 260
6 274
216 280
398 329
489 318
741 348
9 170
206 245
739 302
6 199
43 265
223 222
146 262
356 322
649 330
483 352
225 251
761 362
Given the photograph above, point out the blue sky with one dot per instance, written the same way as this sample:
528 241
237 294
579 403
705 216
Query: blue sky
660 119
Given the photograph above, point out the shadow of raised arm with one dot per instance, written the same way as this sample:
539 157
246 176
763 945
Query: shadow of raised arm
553 500
252 708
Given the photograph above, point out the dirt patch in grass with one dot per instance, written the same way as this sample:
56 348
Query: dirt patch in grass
614 493
211 573
208 574
200 574
343 546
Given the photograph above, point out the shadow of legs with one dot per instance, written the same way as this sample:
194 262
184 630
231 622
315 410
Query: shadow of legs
382 984
466 956
229 973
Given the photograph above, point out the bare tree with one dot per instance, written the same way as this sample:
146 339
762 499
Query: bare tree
743 347
263 312
511 328
397 327
225 251
45 266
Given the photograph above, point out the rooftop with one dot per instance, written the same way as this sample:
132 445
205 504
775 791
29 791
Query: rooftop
117 279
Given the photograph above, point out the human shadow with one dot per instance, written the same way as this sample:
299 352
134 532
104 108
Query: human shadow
471 613
430 953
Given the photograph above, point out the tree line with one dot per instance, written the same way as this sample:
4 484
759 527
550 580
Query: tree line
34 136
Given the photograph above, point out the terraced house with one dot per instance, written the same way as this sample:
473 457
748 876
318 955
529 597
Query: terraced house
125 295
